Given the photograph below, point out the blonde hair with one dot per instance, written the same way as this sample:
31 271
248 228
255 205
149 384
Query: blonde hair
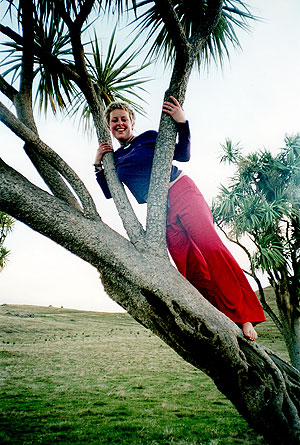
119 106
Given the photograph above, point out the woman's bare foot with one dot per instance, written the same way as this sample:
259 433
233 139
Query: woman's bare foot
249 331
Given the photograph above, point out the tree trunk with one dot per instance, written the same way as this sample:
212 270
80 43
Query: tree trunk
291 335
293 342
289 316
264 389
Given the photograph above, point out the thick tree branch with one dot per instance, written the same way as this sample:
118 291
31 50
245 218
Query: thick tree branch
52 178
162 161
211 17
258 383
173 26
158 190
130 222
84 12
207 24
133 227
29 136
23 102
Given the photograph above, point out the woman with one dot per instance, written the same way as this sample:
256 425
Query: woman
192 240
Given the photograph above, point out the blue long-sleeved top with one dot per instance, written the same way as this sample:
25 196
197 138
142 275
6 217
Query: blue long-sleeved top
134 162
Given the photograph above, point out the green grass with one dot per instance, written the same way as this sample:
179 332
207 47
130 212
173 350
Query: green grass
75 377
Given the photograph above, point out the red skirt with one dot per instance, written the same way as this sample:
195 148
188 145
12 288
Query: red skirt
203 259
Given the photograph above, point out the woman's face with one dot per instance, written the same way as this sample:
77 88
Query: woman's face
121 125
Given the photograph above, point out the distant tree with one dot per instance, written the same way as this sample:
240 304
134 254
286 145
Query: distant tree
263 203
136 271
6 226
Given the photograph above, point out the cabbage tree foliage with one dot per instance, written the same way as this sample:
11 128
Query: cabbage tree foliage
6 226
263 203
135 270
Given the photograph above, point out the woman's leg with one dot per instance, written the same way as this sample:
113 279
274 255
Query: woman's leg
223 282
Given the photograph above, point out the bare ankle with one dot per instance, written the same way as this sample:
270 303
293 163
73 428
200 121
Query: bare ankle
249 331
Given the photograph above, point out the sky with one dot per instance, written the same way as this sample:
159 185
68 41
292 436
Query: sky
254 100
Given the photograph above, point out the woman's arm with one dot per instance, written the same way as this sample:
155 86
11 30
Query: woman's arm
103 148
182 151
102 182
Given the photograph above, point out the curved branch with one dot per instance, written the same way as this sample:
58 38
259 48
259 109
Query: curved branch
173 25
133 227
162 161
29 136
211 17
264 389
63 13
185 57
9 91
130 222
208 24
84 12
23 101
81 17
51 177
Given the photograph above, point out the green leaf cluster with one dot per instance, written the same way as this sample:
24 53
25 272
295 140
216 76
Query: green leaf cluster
192 15
116 73
262 202
6 226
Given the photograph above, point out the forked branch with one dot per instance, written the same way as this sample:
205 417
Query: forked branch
29 136
130 222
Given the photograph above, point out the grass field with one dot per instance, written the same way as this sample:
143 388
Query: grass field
75 377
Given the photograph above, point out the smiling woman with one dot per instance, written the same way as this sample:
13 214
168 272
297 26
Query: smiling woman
192 240
245 100
202 332
121 126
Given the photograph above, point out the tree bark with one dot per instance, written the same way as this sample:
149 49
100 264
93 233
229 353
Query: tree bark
264 389
290 320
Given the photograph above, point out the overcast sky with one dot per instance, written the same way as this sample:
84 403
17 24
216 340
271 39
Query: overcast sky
255 100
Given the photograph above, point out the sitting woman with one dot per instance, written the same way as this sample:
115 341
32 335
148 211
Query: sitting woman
192 240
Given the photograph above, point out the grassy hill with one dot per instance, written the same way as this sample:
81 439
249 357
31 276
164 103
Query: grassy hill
76 377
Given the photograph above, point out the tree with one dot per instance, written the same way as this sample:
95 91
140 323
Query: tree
263 202
136 271
6 225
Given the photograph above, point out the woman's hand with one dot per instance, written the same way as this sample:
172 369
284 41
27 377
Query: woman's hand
174 110
103 148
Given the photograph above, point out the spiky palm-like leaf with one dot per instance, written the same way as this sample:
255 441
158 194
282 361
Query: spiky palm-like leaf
52 42
114 74
262 202
270 254
6 225
54 86
114 77
4 254
191 13
232 152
